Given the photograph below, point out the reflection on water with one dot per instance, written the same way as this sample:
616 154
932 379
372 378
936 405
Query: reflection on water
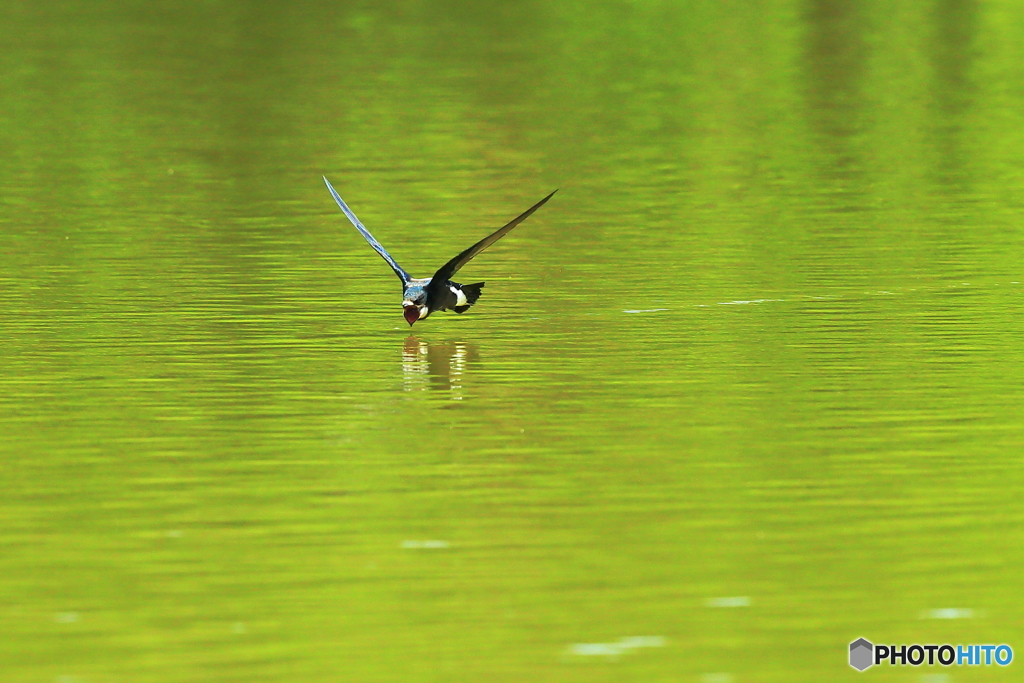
948 613
411 545
738 601
436 365
616 648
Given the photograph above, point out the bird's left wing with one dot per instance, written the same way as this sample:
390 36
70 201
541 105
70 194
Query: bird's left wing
369 238
449 269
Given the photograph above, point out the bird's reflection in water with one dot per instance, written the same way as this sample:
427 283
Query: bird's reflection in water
436 365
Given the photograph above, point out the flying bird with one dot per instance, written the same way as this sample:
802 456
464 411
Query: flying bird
423 296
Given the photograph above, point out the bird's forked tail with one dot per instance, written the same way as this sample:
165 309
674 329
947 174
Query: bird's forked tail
472 293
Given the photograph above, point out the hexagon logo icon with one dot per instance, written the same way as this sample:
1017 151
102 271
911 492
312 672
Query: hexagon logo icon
861 652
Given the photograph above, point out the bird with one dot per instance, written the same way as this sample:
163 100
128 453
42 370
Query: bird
423 296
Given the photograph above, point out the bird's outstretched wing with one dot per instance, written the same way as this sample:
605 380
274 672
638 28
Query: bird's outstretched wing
369 238
449 269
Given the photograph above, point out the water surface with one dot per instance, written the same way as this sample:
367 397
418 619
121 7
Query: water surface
748 388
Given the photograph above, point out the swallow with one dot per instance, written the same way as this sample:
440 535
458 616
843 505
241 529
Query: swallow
423 296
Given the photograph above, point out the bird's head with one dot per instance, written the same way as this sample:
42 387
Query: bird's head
414 309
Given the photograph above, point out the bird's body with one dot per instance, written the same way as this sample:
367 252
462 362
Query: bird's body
454 297
423 296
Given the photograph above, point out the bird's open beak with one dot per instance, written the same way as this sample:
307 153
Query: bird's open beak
412 314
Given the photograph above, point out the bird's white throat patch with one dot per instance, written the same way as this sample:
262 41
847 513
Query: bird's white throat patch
460 296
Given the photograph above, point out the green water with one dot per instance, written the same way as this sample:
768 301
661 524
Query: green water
750 385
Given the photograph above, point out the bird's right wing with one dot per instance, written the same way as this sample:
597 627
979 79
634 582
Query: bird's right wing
445 272
369 238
